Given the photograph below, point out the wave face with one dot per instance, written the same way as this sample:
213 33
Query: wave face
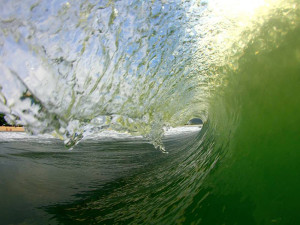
78 67
133 66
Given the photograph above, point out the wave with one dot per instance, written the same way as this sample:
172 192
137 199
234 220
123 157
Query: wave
130 66
138 67
78 68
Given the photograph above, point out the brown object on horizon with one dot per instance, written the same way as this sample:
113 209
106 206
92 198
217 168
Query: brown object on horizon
11 129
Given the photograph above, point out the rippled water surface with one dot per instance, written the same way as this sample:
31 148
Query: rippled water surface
41 180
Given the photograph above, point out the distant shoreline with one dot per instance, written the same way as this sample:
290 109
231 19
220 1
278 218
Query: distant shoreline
11 129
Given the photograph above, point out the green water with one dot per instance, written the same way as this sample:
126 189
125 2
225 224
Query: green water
259 175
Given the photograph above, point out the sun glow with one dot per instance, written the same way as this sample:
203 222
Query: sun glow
226 27
243 7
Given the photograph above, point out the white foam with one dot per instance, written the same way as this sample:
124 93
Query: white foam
179 130
104 135
16 136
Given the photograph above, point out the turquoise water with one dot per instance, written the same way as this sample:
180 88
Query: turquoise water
140 67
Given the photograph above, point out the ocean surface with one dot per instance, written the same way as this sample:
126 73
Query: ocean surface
44 183
105 89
